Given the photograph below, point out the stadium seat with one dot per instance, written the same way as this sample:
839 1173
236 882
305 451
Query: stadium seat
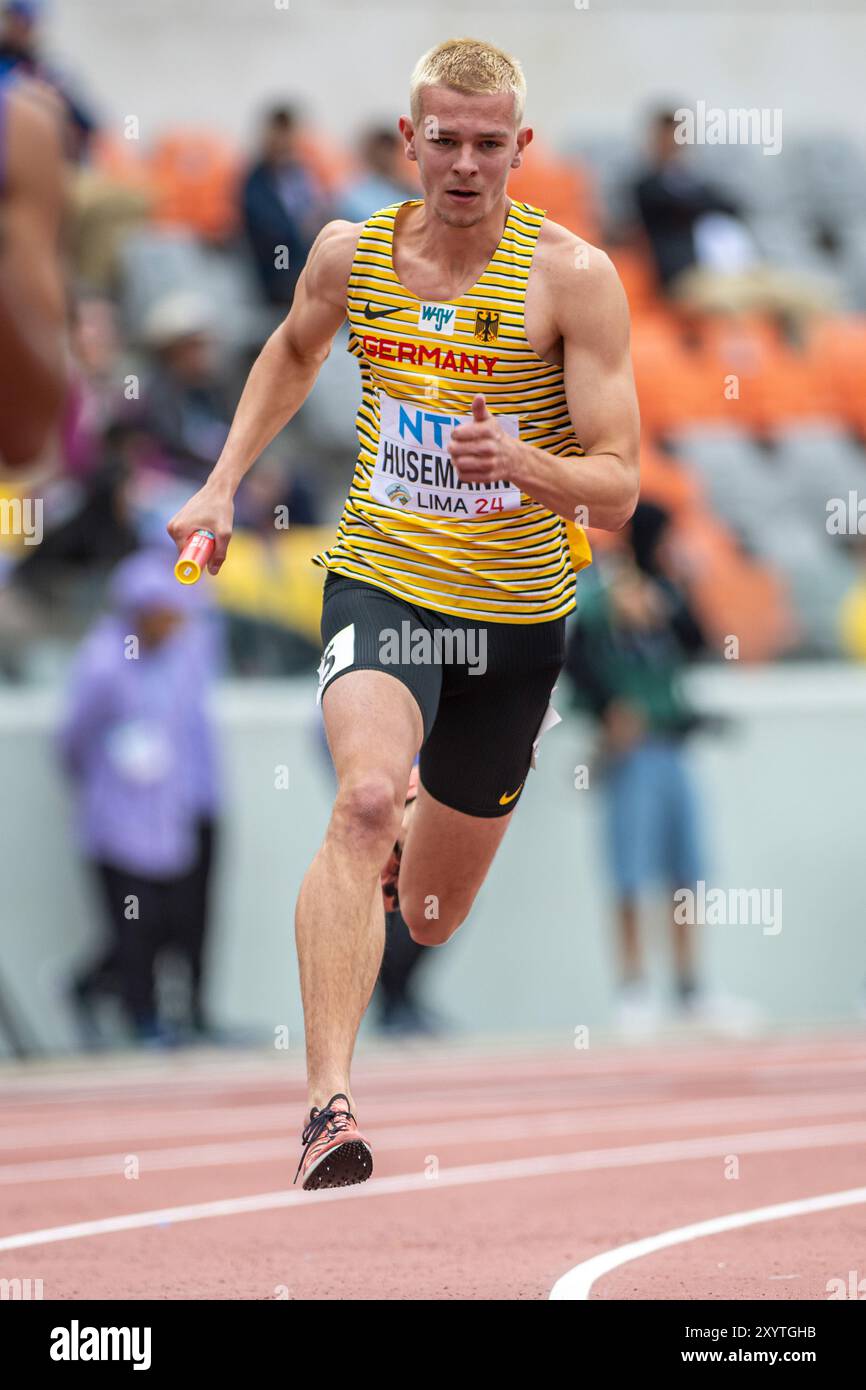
674 385
563 189
612 162
196 175
836 354
635 270
667 481
819 572
734 594
122 161
737 481
818 462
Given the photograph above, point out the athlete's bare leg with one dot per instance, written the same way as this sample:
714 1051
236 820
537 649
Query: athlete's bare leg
374 729
445 860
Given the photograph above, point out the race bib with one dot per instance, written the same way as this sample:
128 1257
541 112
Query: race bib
339 653
414 472
550 721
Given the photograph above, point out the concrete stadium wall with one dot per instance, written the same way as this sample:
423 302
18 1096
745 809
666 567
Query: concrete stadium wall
216 62
784 795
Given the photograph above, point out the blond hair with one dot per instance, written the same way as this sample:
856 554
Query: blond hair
468 65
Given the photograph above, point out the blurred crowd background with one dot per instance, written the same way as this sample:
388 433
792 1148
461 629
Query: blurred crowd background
746 276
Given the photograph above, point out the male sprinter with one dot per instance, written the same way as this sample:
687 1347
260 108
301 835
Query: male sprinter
497 398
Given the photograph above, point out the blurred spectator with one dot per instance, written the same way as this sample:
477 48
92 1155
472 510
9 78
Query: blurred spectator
284 208
104 212
20 56
273 496
384 176
137 743
96 392
625 657
186 407
705 255
84 538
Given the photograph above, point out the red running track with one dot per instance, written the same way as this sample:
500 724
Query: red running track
497 1171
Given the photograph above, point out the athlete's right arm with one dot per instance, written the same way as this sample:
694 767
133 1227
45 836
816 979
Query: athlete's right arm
279 382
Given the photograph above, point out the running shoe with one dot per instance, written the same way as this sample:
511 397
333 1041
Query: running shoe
391 872
335 1153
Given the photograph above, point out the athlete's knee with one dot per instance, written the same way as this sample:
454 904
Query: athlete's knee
368 811
427 925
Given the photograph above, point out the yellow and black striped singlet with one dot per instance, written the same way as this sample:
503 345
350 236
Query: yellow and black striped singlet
409 525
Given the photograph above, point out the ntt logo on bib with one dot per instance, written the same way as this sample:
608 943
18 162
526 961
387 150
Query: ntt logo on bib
437 318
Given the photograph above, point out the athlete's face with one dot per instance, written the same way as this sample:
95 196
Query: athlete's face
465 144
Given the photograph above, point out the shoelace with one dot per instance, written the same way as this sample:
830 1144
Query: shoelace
319 1122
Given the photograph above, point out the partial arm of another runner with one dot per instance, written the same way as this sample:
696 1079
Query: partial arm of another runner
591 313
33 374
279 382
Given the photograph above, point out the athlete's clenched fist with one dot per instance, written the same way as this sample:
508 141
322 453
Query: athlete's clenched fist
481 451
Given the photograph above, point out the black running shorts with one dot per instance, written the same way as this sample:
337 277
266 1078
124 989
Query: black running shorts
483 688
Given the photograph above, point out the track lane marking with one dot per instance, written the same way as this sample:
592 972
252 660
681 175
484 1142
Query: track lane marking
502 1171
216 1071
577 1282
513 1127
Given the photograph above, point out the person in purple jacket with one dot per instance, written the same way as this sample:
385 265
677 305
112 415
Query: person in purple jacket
138 746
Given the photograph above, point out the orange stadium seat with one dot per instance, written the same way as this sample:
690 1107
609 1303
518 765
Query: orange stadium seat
836 352
638 277
121 161
330 163
734 353
675 385
734 595
738 340
196 176
665 481
563 188
786 388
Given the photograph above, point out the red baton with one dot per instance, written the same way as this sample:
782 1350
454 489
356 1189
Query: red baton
195 556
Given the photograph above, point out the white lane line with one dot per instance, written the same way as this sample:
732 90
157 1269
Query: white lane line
505 1170
219 1069
510 1089
250 1120
239 1118
514 1127
577 1283
234 1116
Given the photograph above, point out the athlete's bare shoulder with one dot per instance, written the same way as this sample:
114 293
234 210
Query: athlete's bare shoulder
578 281
329 263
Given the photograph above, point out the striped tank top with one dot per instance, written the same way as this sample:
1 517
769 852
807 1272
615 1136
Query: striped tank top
410 526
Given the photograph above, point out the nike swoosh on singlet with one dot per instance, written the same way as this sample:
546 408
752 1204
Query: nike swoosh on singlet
505 798
378 313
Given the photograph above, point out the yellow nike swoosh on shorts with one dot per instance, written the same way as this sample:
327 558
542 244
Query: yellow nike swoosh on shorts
505 798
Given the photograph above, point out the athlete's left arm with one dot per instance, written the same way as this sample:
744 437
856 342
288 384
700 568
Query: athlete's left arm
591 312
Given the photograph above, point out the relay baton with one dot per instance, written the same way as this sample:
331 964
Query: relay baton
194 556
